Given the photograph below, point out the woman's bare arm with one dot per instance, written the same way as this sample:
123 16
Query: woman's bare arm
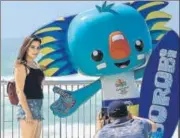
20 76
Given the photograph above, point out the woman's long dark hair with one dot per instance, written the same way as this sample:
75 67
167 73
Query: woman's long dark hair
23 50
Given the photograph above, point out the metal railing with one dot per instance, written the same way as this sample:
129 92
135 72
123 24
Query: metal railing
79 125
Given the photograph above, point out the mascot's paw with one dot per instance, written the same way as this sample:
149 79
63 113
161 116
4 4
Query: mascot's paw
64 104
156 135
58 90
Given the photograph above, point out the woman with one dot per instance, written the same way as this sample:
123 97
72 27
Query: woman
28 79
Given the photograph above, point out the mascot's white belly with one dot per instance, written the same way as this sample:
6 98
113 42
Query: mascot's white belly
119 86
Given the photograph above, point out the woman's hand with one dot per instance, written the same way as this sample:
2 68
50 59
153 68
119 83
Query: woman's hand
29 117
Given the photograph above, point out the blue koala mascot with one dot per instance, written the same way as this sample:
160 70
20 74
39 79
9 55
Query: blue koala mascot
112 42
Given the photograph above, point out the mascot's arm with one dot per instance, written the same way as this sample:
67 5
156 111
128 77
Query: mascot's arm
139 73
69 102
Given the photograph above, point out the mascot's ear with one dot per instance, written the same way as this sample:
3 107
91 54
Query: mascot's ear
55 58
155 19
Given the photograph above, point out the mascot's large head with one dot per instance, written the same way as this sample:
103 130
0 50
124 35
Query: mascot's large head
104 40
108 40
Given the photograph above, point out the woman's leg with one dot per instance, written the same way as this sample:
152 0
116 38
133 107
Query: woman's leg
38 132
28 130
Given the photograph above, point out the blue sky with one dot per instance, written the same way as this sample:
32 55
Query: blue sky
21 18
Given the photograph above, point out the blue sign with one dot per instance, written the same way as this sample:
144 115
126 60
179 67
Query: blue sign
160 87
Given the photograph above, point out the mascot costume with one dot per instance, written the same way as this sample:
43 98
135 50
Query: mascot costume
119 44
